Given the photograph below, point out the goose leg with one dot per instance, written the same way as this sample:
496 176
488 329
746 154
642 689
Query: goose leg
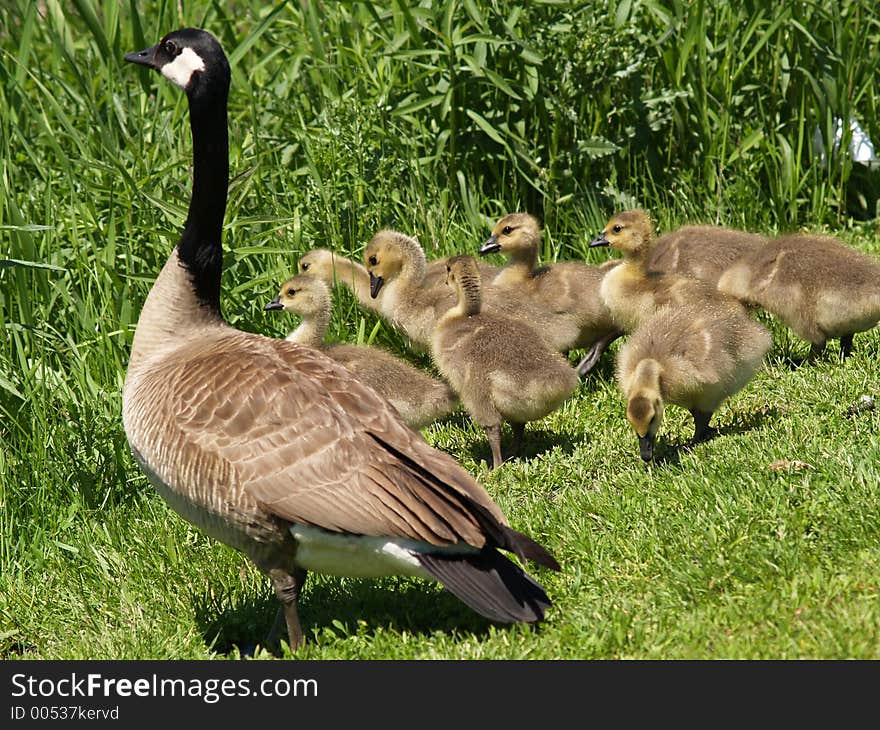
287 587
846 345
594 353
516 444
702 431
494 435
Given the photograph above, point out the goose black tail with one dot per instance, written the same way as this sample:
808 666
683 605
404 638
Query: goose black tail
490 584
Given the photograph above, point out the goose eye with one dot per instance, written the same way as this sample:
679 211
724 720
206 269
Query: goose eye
304 267
506 230
373 261
171 48
291 292
617 228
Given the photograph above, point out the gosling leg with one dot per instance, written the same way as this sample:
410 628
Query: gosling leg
594 353
516 444
702 431
846 345
816 350
494 435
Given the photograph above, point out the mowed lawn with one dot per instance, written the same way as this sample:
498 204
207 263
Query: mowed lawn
761 543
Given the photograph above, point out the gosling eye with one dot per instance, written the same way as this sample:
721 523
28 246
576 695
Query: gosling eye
506 230
617 228
304 266
373 261
171 48
291 292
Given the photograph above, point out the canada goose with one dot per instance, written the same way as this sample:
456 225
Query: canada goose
703 252
274 448
500 368
631 291
689 355
419 398
569 290
819 287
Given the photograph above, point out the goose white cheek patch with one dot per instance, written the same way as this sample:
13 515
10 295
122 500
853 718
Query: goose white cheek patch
181 69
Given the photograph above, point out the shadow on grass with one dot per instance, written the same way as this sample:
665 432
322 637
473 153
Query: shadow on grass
337 605
670 452
535 441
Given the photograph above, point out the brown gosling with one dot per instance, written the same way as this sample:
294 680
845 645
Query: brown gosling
417 397
702 252
274 448
819 287
631 291
689 355
500 368
568 290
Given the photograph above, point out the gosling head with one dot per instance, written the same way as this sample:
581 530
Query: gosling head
386 254
302 295
644 411
630 232
319 263
191 58
514 235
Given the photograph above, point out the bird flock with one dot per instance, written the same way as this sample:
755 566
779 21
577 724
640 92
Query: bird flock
306 456
683 302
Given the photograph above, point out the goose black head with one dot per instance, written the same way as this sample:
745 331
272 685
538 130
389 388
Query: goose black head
191 58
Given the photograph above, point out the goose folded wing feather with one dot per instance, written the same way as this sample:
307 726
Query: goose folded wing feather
316 447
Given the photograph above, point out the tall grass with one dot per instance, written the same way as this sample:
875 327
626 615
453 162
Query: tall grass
433 117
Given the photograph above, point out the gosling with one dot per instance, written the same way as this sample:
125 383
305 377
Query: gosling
689 355
632 291
820 288
500 368
415 395
569 290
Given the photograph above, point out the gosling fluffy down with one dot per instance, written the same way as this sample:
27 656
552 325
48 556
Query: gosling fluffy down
689 355
702 252
415 395
819 287
631 291
499 366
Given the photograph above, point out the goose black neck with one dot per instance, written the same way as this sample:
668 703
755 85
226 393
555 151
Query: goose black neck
200 247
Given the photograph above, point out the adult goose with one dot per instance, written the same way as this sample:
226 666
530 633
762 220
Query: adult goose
275 449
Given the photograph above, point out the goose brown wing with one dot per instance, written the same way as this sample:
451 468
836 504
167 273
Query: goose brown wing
313 445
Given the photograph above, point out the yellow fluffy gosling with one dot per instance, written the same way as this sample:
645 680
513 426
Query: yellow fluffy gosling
632 292
569 290
689 355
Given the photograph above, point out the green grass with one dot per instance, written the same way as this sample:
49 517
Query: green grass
344 124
